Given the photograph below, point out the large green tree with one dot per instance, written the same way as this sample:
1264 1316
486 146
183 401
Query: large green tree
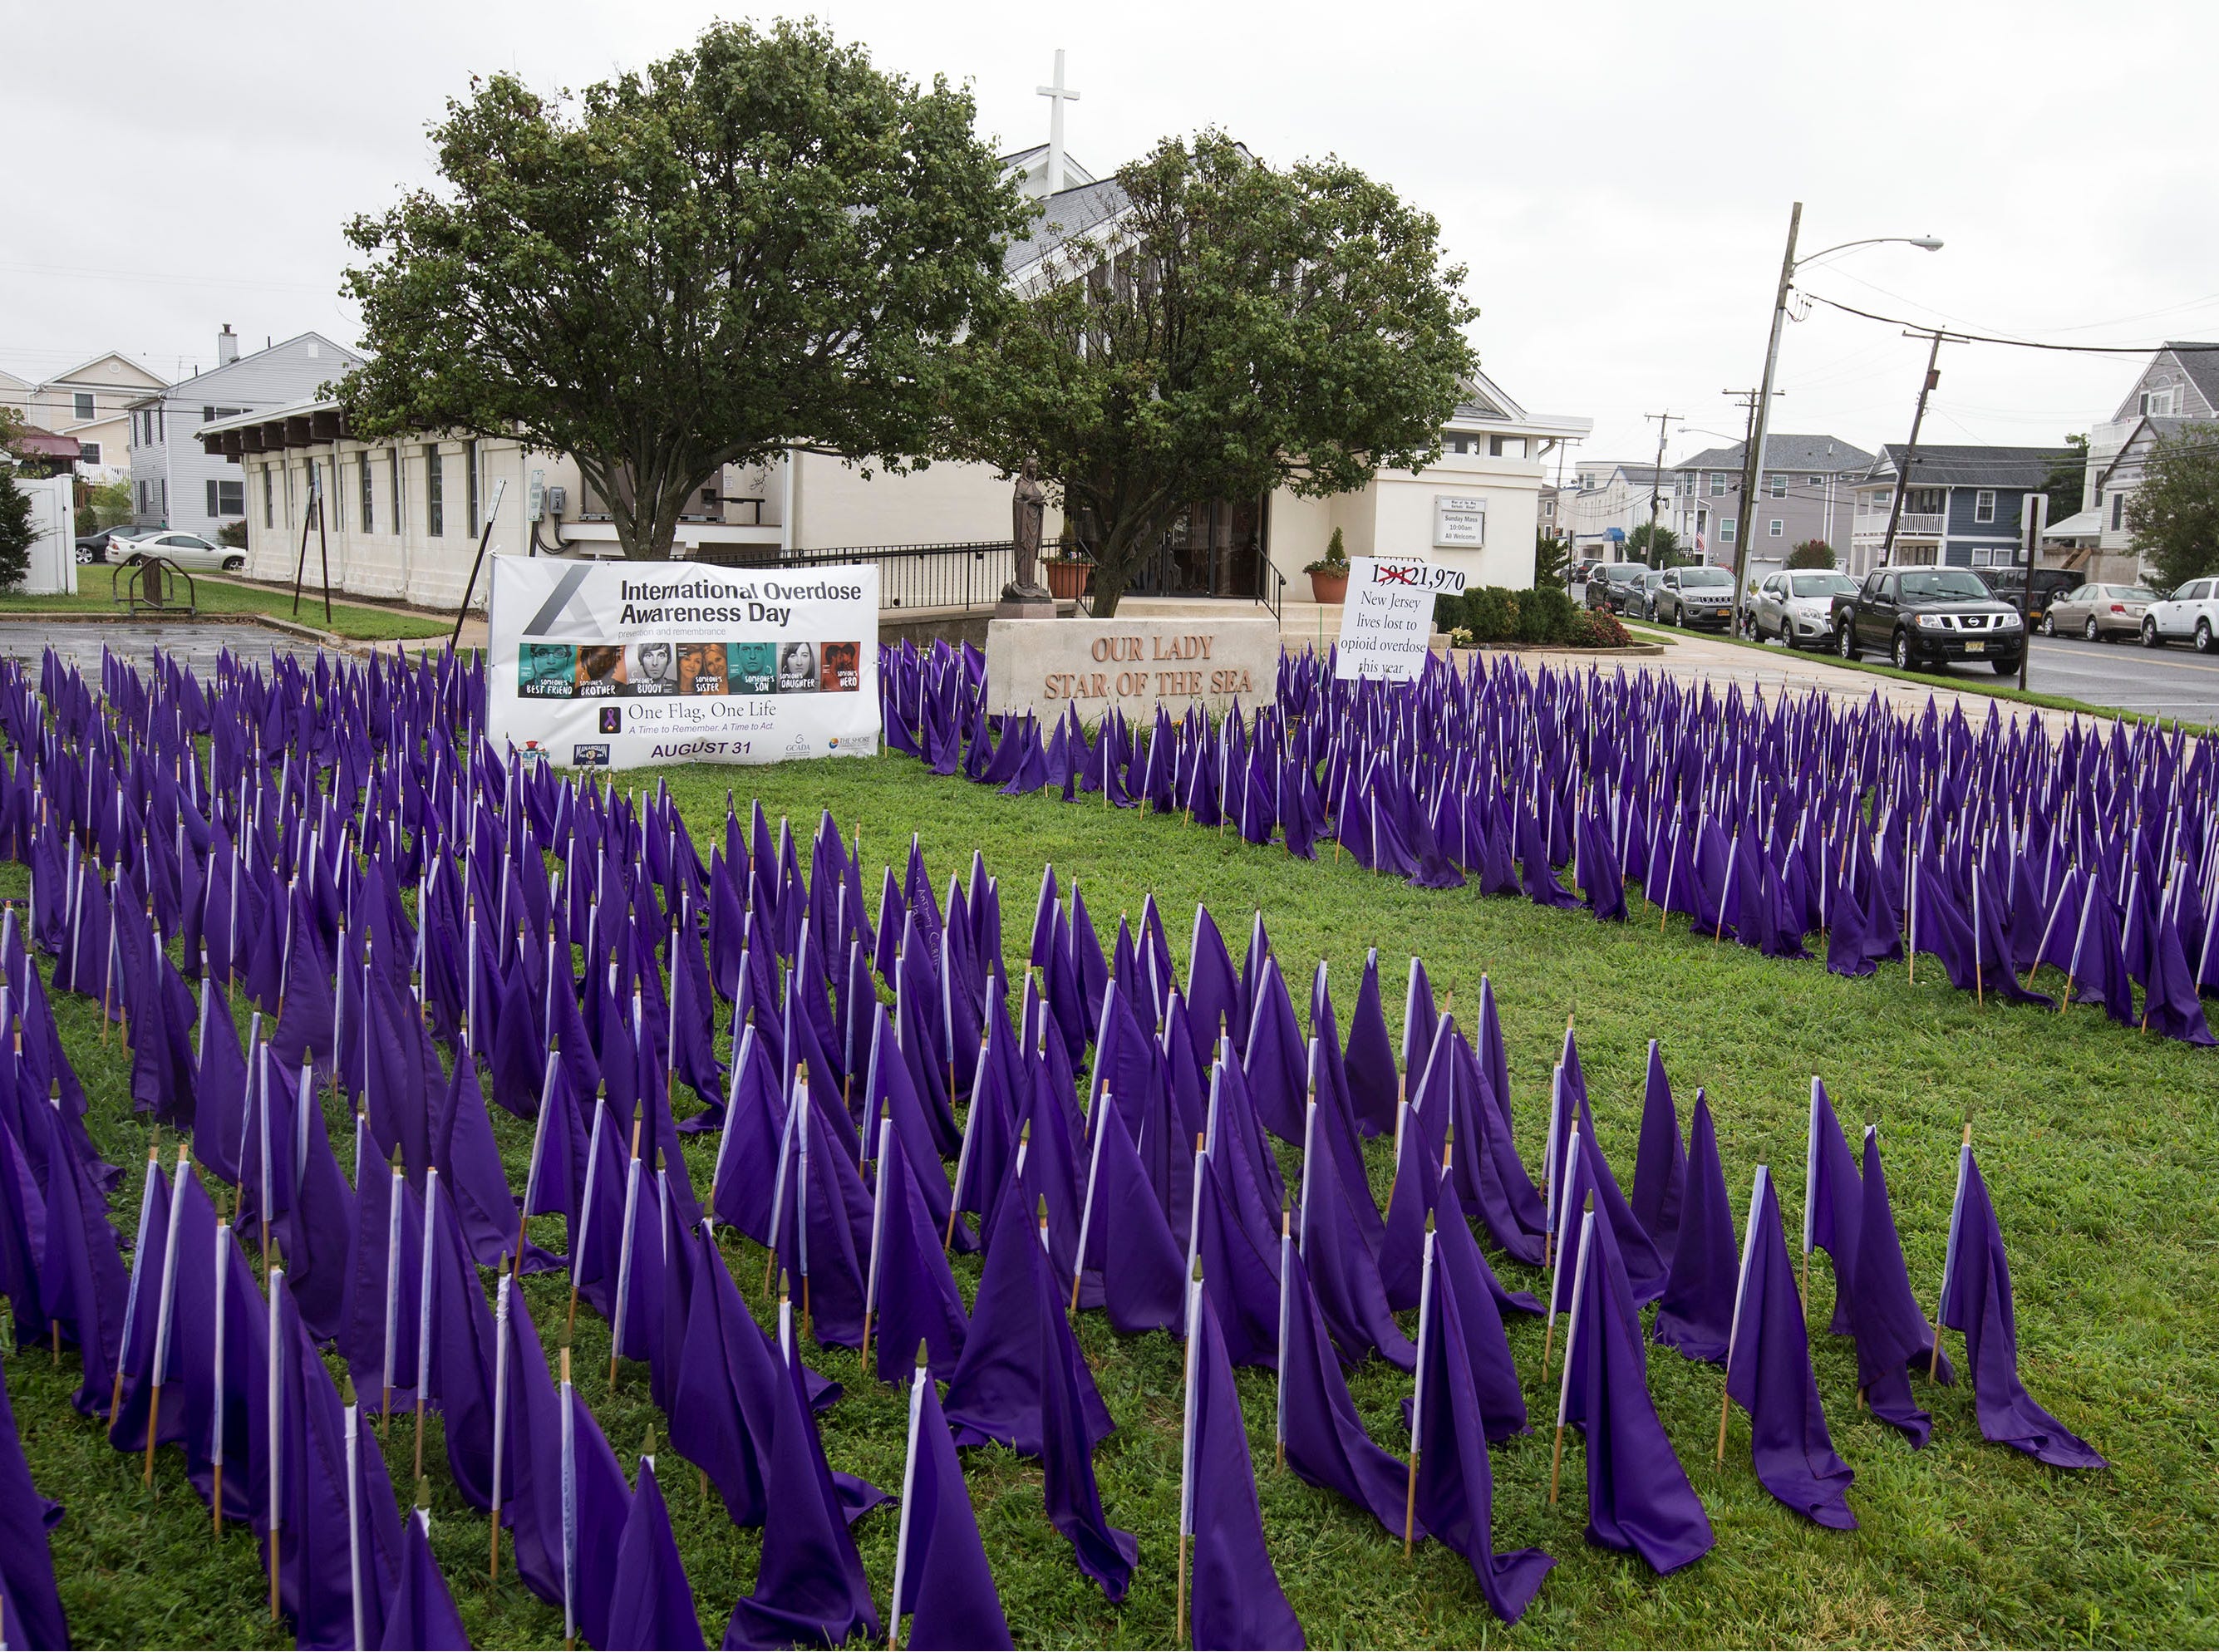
1233 328
17 532
1655 544
762 241
2067 479
2175 514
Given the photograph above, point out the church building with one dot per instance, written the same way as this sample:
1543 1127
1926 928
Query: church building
403 518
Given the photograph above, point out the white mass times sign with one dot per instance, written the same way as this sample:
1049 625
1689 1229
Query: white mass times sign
1459 520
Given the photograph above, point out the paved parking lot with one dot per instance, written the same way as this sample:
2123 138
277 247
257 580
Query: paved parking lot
196 645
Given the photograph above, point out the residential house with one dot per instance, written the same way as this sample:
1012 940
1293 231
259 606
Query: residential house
1803 491
1611 499
177 481
1960 505
2178 387
87 402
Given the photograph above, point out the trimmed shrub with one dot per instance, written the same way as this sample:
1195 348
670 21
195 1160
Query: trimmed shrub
1545 615
1490 614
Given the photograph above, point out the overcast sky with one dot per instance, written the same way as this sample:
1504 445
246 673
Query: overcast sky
1618 177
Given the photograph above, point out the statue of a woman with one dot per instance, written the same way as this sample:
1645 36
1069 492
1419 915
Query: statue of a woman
1027 510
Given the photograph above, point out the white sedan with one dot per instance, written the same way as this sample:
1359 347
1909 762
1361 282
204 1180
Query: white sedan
2189 615
1798 607
188 551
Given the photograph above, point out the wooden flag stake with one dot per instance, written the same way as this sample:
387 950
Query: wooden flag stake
1417 1395
1934 1360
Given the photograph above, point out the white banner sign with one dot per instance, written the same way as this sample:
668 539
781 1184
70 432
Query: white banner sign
1387 622
616 665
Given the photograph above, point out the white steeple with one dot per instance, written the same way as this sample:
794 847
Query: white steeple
1058 95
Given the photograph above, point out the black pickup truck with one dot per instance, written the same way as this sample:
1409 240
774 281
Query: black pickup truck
1921 617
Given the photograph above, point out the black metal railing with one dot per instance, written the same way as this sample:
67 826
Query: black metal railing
968 574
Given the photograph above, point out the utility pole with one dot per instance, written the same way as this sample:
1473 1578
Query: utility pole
2034 519
1656 483
1749 400
1910 447
1753 461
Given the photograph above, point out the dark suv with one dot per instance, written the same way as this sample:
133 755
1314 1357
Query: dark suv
1616 586
1922 617
2006 584
1695 596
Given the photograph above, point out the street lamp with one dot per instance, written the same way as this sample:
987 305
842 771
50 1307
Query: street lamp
1753 461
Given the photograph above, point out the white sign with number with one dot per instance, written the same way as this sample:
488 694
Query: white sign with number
1387 622
1459 521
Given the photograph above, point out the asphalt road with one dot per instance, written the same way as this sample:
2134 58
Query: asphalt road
2171 682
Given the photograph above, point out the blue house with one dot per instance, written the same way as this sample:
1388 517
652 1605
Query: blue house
1960 505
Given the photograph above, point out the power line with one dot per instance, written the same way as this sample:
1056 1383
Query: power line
1958 336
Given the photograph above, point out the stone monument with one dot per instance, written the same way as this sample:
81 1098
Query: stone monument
1025 597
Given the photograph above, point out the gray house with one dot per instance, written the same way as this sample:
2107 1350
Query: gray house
1802 492
1960 505
175 483
2178 387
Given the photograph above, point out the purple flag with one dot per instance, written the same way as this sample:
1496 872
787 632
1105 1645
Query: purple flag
1833 1201
1067 1405
1130 1262
33 1616
1455 1485
942 1577
810 1588
1660 1168
1695 1313
1237 1599
1326 1442
748 1152
913 1293
1769 1375
1369 1061
421 1613
651 1604
1892 1335
220 1088
1976 1299
1019 1337
1639 1497
1461 1271
1342 1267
1240 1274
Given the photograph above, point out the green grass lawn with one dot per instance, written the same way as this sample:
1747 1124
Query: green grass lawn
2100 1147
100 587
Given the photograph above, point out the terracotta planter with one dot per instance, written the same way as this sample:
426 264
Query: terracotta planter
1067 581
1328 587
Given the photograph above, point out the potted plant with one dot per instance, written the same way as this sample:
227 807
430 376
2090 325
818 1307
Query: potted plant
1329 574
1067 576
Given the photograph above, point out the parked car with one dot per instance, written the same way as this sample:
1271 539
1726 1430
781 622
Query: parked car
188 551
2099 612
1695 596
2189 615
1614 587
1798 607
1645 592
1922 616
2048 583
94 547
